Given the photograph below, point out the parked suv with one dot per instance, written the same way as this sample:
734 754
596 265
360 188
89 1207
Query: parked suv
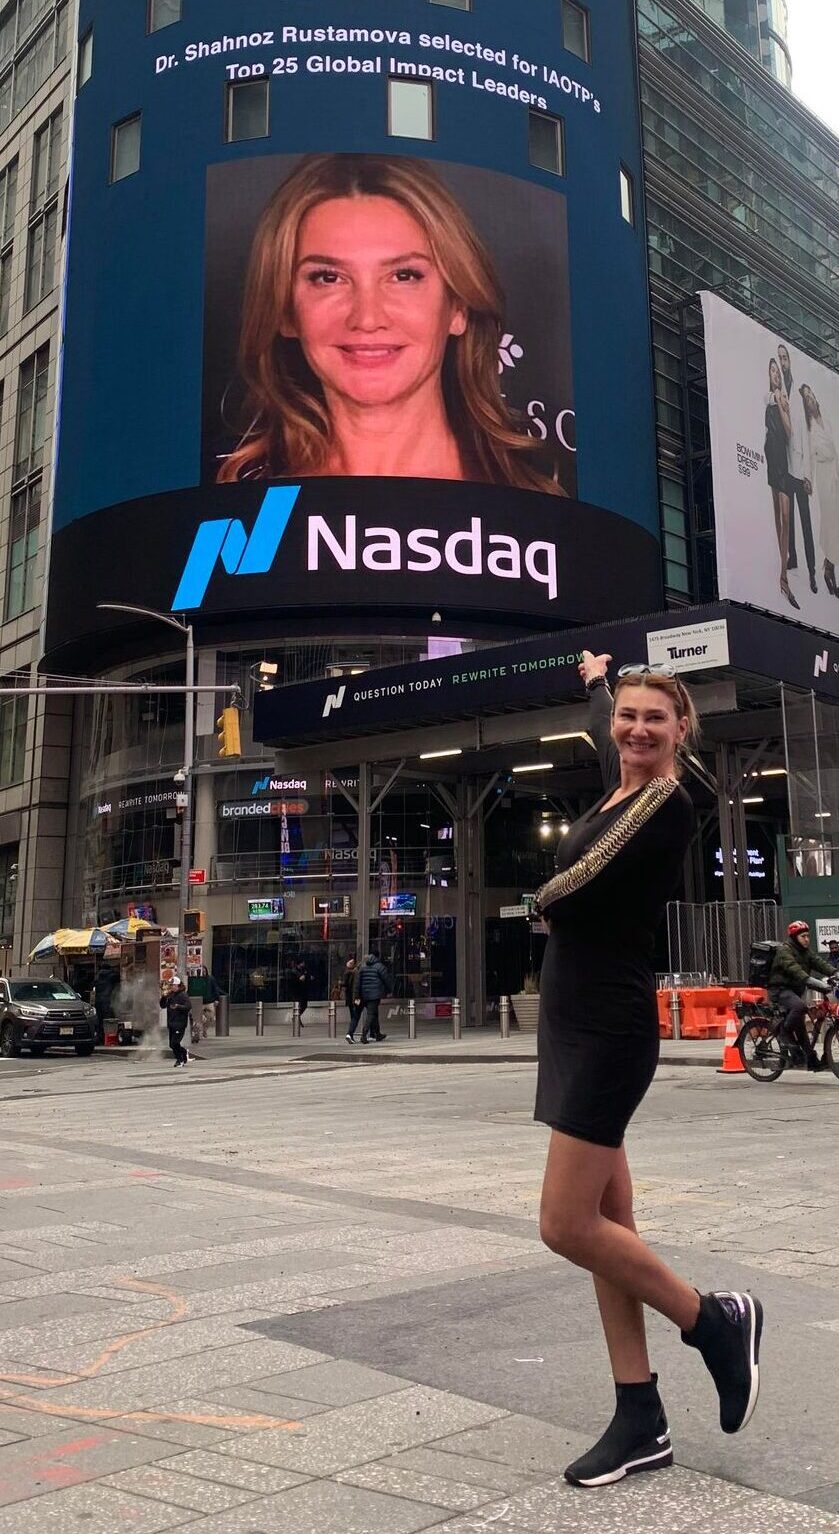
36 1014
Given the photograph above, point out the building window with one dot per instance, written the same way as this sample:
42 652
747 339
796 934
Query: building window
410 109
247 114
13 712
576 30
8 205
547 142
24 534
125 148
8 893
627 196
31 426
85 67
163 13
43 215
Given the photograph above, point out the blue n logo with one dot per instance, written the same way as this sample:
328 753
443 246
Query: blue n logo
225 539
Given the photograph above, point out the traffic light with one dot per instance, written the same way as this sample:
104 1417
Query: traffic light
229 741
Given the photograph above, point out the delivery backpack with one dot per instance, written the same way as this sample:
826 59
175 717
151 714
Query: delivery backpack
761 957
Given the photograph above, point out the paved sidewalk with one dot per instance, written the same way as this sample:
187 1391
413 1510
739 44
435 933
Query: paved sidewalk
305 1300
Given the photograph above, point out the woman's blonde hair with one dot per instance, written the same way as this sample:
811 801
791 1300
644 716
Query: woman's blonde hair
287 427
675 690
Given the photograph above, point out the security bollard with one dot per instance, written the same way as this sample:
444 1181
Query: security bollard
455 1017
260 1018
412 1018
295 1020
676 1014
333 1020
504 1012
223 1017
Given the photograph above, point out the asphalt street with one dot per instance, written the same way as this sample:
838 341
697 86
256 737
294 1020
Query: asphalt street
273 1294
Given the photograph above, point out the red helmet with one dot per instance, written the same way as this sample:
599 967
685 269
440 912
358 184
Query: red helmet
796 927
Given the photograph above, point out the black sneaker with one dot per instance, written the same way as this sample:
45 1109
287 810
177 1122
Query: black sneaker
379 1038
727 1335
637 1439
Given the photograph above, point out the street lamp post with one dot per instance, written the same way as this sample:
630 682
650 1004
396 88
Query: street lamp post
189 755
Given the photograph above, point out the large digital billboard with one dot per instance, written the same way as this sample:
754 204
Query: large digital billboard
354 320
774 416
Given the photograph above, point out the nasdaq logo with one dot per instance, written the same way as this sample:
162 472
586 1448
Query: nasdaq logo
334 700
225 540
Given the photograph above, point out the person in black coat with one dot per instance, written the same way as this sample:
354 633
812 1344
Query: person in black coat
178 1019
352 1001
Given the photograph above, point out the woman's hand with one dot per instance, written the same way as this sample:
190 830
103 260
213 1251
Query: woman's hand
593 665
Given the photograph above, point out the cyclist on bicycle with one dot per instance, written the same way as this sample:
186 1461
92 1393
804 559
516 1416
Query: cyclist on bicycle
793 969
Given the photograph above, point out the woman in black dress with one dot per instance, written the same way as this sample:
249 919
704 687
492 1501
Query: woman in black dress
778 429
598 1050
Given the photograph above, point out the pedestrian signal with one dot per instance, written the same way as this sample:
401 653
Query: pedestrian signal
229 740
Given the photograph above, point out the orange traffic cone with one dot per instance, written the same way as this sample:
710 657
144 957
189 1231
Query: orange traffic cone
731 1062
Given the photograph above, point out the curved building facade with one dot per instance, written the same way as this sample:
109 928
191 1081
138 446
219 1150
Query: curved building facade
357 353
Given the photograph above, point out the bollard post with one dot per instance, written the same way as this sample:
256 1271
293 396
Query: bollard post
412 1018
455 1017
223 1017
504 1013
295 1020
676 1014
260 1018
333 1020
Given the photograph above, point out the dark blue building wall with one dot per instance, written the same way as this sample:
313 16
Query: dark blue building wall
131 394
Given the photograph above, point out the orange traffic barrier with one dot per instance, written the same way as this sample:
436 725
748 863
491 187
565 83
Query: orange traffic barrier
731 1062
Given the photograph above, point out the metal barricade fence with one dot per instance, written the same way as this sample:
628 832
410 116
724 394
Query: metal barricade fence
710 943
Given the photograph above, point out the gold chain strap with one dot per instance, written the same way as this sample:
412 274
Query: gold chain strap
608 845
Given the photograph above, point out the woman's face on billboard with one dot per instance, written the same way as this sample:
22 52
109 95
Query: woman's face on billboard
371 310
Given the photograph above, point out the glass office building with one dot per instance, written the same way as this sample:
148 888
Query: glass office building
742 197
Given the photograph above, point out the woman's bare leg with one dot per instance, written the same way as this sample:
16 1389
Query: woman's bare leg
571 1223
782 522
622 1315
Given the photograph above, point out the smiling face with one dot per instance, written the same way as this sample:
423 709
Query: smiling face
646 730
775 381
371 310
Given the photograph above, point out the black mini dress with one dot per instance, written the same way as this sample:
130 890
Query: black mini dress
598 1039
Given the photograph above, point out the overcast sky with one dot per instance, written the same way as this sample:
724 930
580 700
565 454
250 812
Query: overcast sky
814 44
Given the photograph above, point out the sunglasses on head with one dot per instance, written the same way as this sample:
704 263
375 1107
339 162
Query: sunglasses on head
659 668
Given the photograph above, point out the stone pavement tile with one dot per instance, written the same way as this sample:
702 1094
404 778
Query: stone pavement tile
28 1310
198 1373
527 1444
246 1474
349 1436
93 1509
271 1267
81 1453
678 1501
462 1469
383 1475
323 1507
25 1423
162 1345
189 1434
335 1383
201 1496
246 1398
824 1497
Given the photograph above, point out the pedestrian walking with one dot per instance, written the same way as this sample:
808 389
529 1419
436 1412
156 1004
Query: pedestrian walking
352 1001
178 1018
105 988
300 988
372 984
207 989
598 1049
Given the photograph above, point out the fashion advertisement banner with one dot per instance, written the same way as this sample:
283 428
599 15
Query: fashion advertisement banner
351 300
774 416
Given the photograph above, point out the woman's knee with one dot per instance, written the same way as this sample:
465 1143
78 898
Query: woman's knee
563 1231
